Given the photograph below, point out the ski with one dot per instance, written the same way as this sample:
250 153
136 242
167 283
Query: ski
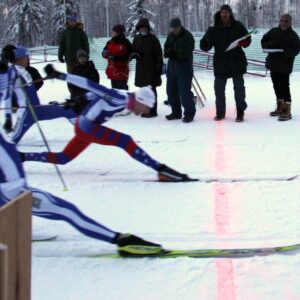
43 238
207 253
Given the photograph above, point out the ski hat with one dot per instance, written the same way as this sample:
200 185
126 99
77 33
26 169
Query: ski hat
72 18
20 52
81 53
119 28
146 96
175 22
226 7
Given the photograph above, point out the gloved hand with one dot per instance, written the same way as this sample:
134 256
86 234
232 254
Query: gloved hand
76 103
61 58
105 53
243 43
52 73
111 57
172 54
8 124
135 55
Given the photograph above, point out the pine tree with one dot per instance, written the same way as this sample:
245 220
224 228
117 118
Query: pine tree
137 11
25 19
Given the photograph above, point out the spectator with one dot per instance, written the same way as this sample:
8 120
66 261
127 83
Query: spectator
84 68
179 48
227 64
72 39
148 53
281 64
117 52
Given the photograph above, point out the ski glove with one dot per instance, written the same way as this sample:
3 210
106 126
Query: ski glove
243 43
61 58
135 56
8 124
52 73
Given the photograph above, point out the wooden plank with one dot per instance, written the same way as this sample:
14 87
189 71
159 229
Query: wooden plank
3 272
15 232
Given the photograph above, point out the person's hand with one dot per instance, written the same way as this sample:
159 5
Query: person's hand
111 57
243 43
8 125
52 73
135 55
105 53
61 58
172 54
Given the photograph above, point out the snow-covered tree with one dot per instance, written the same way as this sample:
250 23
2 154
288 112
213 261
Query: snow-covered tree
137 10
26 23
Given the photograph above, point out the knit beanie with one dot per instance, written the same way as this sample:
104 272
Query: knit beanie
175 22
119 28
81 53
226 7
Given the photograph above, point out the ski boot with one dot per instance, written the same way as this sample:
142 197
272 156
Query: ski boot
131 245
167 174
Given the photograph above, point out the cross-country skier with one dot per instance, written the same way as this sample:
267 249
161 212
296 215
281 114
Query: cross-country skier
16 80
13 183
102 103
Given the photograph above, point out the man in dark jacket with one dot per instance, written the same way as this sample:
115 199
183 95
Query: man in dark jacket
179 48
227 64
84 68
72 39
283 45
148 52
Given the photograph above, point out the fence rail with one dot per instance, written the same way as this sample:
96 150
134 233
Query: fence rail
15 262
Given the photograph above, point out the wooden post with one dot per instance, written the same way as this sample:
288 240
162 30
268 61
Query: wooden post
15 233
3 272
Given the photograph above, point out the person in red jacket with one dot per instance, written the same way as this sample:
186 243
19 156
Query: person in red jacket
117 52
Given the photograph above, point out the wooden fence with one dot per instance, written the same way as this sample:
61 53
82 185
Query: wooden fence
15 253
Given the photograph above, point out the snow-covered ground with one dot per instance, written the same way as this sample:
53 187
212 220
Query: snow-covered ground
110 187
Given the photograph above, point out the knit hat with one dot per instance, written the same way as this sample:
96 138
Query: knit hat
119 28
20 52
81 53
175 22
226 7
146 96
72 18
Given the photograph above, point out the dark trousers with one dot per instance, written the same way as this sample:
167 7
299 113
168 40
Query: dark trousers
239 94
179 85
281 85
153 110
119 84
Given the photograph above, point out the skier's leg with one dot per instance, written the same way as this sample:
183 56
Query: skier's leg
52 207
72 150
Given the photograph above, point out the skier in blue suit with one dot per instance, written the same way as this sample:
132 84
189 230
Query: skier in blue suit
15 80
13 183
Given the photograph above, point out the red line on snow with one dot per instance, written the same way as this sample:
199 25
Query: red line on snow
225 288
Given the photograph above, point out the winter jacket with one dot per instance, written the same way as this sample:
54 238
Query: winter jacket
73 39
288 40
148 53
180 48
117 52
233 62
88 71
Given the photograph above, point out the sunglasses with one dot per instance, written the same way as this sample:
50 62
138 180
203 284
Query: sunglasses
284 21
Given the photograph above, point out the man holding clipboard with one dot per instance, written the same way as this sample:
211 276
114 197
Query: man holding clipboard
228 36
282 45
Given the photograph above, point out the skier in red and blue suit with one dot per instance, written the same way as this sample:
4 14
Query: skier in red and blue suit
100 104
13 183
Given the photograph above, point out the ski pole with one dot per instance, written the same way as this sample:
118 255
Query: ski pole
31 108
37 105
198 85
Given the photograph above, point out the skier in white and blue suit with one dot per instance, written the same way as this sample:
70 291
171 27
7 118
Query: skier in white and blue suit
16 80
13 183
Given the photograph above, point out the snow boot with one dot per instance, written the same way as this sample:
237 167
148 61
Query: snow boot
240 116
167 174
278 109
286 112
131 245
